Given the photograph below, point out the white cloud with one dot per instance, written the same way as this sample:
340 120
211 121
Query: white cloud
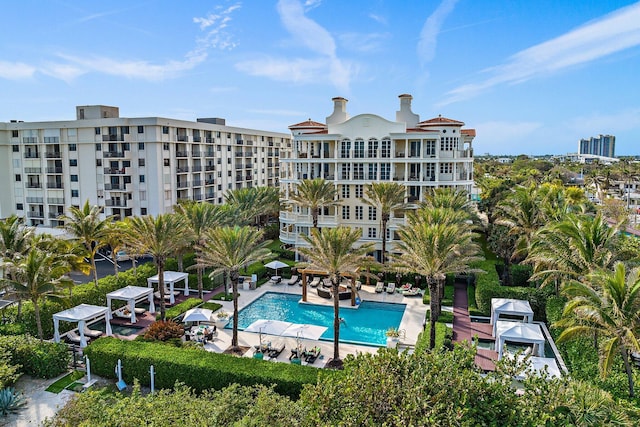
429 35
610 123
497 131
378 18
16 70
294 70
612 33
312 4
363 42
65 72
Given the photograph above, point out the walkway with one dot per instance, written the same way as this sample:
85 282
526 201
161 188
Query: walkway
465 330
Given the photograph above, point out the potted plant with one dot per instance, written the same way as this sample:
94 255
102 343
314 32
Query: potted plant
393 336
222 318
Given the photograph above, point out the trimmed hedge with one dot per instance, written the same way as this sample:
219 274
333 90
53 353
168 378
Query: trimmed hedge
194 367
37 358
520 275
178 309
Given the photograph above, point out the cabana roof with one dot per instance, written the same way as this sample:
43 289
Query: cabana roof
169 276
519 332
130 292
81 312
515 307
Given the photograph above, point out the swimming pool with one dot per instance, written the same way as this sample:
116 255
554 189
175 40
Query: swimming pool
366 325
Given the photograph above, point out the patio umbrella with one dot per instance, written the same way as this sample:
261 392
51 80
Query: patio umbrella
197 315
304 331
275 265
269 327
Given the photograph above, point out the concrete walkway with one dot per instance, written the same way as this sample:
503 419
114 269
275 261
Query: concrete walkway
40 404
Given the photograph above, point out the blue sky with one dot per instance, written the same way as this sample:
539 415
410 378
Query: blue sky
531 77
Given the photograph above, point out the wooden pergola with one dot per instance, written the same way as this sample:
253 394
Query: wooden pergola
316 272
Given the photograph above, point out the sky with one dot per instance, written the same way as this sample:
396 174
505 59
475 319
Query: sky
532 77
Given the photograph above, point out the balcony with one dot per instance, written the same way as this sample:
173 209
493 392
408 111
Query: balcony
182 169
238 153
197 183
53 154
31 155
210 181
55 200
239 141
114 171
210 195
209 168
112 154
209 154
182 154
248 177
248 153
38 200
197 197
34 214
183 138
197 139
32 170
117 187
29 140
197 168
238 177
54 185
196 154
57 169
107 138
55 215
116 203
209 141
34 185
183 184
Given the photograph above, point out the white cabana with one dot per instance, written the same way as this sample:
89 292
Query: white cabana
524 333
198 315
132 294
510 307
81 314
170 278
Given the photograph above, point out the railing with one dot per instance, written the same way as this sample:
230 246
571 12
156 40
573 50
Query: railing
29 139
182 169
196 154
210 195
115 171
210 168
31 155
209 154
183 138
34 185
32 214
209 141
54 169
53 154
182 154
113 153
112 138
197 197
110 186
183 184
55 215
54 185
116 203
55 200
33 170
197 168
197 139
210 181
34 199
197 183
248 153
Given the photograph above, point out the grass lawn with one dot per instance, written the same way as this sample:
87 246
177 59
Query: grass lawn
65 382
213 306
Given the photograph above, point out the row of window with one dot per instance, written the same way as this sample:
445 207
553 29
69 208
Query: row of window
372 211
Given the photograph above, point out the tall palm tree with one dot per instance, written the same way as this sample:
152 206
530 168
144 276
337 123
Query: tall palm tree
314 194
433 248
520 212
160 237
38 275
253 203
227 249
115 237
88 228
15 241
199 218
386 197
332 250
608 304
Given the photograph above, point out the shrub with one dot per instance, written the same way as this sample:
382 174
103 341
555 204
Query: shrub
520 275
178 309
13 329
223 297
195 368
39 359
9 372
10 401
213 306
164 330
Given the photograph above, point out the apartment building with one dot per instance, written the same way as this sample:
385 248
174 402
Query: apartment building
130 166
354 151
602 145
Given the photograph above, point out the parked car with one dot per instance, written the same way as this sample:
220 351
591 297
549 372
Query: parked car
122 256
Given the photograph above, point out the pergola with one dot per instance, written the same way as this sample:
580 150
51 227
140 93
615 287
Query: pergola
171 277
510 307
314 271
132 294
527 333
81 314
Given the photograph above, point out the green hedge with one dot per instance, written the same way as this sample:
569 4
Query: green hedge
37 358
520 275
196 368
212 306
178 309
447 300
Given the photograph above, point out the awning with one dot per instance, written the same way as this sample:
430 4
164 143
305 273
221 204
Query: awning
269 327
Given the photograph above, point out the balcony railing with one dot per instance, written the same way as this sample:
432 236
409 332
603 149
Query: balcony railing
197 183
196 154
31 155
210 195
54 185
182 154
197 139
197 168
209 181
114 171
120 187
116 203
53 154
57 169
112 138
197 197
32 170
113 153
182 169
183 138
209 153
183 184
34 185
55 200
33 214
209 168
55 215
35 199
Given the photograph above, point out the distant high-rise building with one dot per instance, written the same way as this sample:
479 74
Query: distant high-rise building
603 145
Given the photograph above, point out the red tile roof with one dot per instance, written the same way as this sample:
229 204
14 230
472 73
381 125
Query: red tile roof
308 124
440 121
468 132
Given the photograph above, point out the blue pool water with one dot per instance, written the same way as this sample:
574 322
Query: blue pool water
365 325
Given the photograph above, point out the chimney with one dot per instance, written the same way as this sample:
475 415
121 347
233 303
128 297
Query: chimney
339 114
405 115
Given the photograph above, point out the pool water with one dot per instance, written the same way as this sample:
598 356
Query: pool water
366 325
116 329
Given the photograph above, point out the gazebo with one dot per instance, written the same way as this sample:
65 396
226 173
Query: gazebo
526 333
81 314
132 294
510 307
170 278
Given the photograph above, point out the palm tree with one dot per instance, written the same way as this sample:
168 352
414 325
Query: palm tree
253 203
160 237
36 276
227 249
115 238
199 218
332 250
386 197
521 214
608 304
432 245
314 194
15 239
86 226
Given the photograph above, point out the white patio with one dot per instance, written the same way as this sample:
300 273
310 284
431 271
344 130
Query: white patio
510 307
133 295
171 278
81 314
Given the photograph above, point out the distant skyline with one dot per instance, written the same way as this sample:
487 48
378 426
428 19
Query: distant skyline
530 77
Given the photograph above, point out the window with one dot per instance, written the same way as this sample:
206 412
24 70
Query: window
18 177
15 148
97 130
126 163
140 129
345 192
372 233
14 133
359 212
72 147
19 206
98 147
143 211
228 173
126 147
345 212
141 178
385 171
165 130
430 148
140 162
373 171
345 171
98 162
165 146
127 179
345 147
140 145
446 167
74 178
386 148
358 171
166 162
358 149
73 162
373 213
124 130
359 190
74 193
372 150
167 194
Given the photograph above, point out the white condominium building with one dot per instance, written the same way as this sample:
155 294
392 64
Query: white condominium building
131 166
353 152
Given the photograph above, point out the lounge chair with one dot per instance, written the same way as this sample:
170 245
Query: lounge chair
327 283
412 292
210 335
405 287
122 313
293 280
379 287
139 310
295 354
74 338
391 288
323 293
315 282
312 355
91 333
275 350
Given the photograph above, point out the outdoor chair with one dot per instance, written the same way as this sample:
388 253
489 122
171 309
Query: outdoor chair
391 288
323 293
91 333
312 355
315 282
379 287
293 280
275 350
74 338
412 292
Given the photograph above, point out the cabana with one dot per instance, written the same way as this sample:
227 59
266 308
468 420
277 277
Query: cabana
170 278
132 294
526 333
510 307
81 314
